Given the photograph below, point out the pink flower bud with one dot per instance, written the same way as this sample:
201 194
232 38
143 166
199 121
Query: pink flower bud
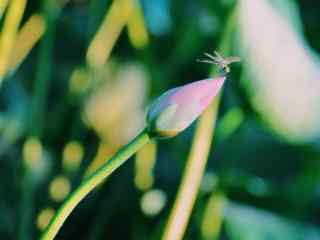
177 108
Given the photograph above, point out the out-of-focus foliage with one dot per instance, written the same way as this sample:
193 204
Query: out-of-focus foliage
284 71
78 75
243 222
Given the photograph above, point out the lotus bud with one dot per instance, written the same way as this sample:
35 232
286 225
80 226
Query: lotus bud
177 108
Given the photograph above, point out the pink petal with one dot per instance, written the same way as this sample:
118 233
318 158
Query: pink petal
186 103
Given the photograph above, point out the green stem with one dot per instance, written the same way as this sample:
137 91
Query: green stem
91 182
26 207
43 72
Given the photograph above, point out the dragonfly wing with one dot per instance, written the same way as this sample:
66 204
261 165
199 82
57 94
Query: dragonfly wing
233 59
207 61
210 56
219 56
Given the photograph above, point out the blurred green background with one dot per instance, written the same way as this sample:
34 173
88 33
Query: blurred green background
77 76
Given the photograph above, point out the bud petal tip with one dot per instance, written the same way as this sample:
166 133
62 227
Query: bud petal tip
177 108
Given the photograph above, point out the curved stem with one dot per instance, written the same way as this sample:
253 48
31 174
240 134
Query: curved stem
198 157
91 182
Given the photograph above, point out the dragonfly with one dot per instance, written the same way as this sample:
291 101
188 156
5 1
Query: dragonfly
218 59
